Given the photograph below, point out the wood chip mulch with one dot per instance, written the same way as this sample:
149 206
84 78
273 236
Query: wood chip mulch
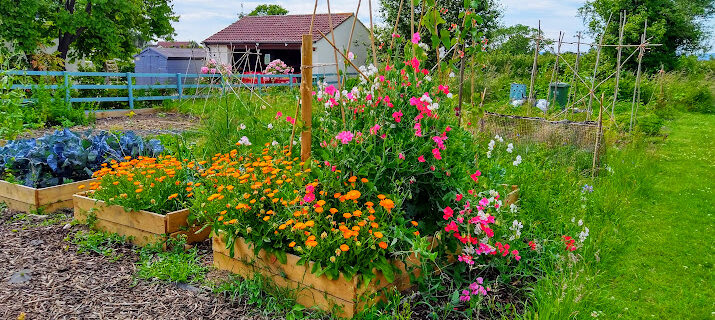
43 277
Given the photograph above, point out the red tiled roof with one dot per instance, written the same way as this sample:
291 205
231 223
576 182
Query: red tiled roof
275 29
173 44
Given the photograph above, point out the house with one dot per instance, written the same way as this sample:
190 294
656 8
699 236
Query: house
175 44
168 60
250 43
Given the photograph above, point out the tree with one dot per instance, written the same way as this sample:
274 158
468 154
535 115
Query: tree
92 29
681 26
516 39
268 10
450 9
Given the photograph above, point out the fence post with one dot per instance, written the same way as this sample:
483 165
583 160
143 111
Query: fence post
130 90
68 100
290 81
179 87
223 84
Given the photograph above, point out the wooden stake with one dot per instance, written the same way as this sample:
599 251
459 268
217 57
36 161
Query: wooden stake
352 30
595 69
394 30
621 23
342 54
530 101
372 36
306 97
461 86
555 71
576 75
332 35
636 87
598 137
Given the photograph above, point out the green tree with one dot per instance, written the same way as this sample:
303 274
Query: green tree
268 10
680 26
92 29
516 39
449 9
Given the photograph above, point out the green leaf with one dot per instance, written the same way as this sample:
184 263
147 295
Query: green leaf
282 257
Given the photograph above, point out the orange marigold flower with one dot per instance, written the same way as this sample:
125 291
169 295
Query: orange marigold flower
344 247
372 218
352 179
333 210
369 204
138 190
347 215
383 245
374 224
220 218
173 196
387 204
414 223
381 196
363 180
378 234
292 244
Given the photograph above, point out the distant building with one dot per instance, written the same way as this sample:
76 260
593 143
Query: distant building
168 60
250 43
175 44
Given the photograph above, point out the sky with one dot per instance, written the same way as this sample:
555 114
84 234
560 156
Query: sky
199 19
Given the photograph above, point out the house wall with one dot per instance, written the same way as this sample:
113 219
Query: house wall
184 66
323 53
220 53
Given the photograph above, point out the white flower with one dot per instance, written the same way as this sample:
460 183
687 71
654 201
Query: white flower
428 78
513 208
517 161
516 226
442 53
450 95
351 56
451 74
424 46
510 148
274 143
270 126
242 126
491 145
489 154
433 107
499 138
244 141
583 235
580 222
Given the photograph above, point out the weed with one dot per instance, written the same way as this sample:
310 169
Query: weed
176 264
98 242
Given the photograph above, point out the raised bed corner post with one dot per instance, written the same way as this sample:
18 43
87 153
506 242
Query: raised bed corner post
130 90
306 97
68 98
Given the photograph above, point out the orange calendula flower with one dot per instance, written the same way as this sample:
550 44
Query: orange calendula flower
138 190
381 196
344 247
292 244
383 245
173 196
347 215
378 234
84 186
333 210
363 180
387 204
414 223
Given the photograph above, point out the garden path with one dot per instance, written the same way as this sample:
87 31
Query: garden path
664 268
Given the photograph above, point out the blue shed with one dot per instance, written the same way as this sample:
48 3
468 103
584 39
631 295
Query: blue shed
168 60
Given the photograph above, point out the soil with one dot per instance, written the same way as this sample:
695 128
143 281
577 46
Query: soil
141 124
59 283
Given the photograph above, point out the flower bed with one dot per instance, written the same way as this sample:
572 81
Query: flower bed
144 227
345 296
22 198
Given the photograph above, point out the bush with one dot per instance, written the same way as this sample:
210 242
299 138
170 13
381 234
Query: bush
650 124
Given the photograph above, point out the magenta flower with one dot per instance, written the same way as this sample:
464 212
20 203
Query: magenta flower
279 114
437 154
397 115
395 35
416 38
448 213
204 70
345 137
401 156
421 159
475 176
330 90
374 129
290 119
451 227
459 197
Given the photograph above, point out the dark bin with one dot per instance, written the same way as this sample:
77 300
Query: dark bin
559 93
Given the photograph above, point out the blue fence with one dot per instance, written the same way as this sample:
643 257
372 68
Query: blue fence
184 84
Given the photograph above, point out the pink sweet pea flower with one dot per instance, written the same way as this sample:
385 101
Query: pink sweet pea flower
475 176
290 119
330 90
397 116
459 197
437 154
452 227
345 137
416 38
395 35
279 114
204 70
448 213
401 156
374 129
421 159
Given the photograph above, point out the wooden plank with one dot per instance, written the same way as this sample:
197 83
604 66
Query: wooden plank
192 236
306 296
142 220
18 192
61 193
138 237
123 113
17 205
176 220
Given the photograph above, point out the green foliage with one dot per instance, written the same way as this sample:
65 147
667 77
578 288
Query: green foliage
268 10
176 264
650 124
678 25
516 39
96 30
97 242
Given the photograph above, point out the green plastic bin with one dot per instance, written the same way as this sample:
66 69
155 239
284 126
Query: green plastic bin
559 93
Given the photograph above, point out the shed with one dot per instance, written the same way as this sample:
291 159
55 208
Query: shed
251 42
168 60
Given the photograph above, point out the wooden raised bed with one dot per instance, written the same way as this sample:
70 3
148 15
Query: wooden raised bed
22 198
143 227
346 297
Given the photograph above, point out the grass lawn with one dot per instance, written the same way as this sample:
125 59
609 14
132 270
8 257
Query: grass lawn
657 258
